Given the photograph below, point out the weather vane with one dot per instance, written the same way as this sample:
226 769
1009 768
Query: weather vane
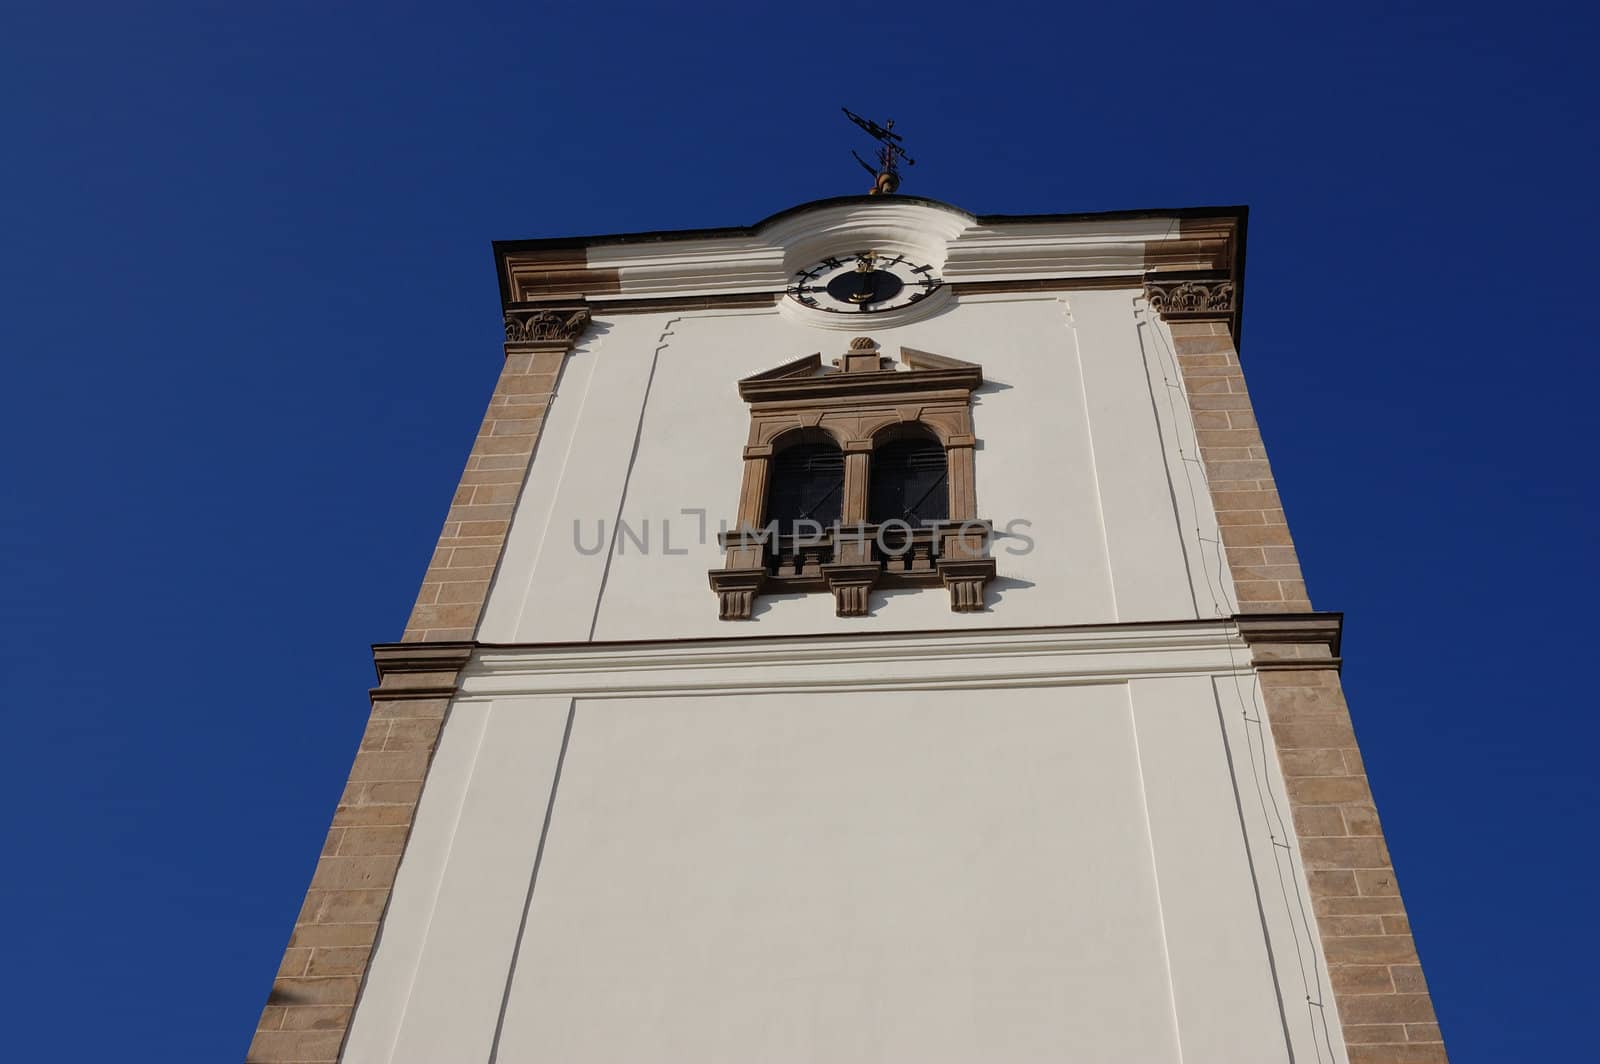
886 175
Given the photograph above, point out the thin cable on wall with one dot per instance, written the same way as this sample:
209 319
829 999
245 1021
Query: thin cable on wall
1260 771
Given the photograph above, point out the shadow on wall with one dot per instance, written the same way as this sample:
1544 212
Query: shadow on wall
990 387
995 589
764 603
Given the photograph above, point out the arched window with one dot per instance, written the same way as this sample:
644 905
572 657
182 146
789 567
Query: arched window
910 480
806 483
854 448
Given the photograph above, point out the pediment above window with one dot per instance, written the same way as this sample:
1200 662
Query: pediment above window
861 373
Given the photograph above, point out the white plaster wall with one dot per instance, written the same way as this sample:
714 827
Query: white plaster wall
1053 845
880 877
1079 436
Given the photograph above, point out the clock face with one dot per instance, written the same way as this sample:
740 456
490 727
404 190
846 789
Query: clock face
863 283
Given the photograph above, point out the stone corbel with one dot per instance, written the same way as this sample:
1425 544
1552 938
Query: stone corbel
964 564
736 592
965 581
851 585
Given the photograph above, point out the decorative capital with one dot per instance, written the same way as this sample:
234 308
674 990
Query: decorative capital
1191 299
547 325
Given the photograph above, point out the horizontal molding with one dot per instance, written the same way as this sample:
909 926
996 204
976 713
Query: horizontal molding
410 694
772 296
1046 284
725 301
928 385
651 271
937 660
416 671
391 658
1293 641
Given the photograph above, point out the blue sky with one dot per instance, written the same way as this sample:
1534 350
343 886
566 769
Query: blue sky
250 323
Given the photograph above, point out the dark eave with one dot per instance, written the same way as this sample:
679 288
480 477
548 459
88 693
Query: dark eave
658 235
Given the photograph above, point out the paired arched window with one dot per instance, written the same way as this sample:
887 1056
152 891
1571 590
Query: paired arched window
838 463
908 480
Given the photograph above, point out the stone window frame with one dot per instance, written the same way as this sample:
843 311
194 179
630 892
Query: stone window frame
858 406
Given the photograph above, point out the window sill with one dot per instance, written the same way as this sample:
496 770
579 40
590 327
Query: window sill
850 562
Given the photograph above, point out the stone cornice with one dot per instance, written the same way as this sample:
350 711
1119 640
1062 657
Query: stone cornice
418 670
636 270
939 659
933 382
1280 641
802 379
927 658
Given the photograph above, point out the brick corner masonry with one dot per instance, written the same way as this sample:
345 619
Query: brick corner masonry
1386 1014
313 997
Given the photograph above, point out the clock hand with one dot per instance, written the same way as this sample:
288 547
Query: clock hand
863 293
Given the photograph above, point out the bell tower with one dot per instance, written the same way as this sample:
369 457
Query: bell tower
872 634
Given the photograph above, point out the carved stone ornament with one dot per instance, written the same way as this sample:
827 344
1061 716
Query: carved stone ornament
736 592
851 584
966 579
545 324
857 402
1204 298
